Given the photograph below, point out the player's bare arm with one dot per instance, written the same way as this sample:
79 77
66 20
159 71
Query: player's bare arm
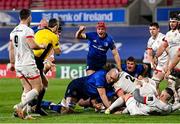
57 51
80 34
102 94
161 49
33 45
150 58
11 56
117 58
159 52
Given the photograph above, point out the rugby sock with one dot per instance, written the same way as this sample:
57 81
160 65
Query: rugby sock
29 97
40 97
46 104
56 108
117 103
23 96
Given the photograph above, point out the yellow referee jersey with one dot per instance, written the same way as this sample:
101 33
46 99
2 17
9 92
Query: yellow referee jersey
47 37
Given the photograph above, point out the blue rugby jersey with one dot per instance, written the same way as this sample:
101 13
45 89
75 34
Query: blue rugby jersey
94 81
139 69
98 48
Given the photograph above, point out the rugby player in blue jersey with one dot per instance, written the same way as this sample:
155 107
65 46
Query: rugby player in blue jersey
134 69
99 43
89 87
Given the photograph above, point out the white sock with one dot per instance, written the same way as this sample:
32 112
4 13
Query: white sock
116 103
23 96
29 97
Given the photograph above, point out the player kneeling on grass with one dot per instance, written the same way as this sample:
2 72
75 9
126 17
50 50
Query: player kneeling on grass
91 86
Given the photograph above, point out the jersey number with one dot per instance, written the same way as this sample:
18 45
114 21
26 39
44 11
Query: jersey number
16 40
130 78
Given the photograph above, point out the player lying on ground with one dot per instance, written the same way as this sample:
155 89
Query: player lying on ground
149 105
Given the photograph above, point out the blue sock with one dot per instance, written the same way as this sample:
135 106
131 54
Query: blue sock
56 108
45 104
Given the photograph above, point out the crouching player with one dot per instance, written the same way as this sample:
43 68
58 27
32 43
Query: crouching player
92 86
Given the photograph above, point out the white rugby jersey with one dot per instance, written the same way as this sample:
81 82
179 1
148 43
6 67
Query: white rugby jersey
159 106
173 40
148 88
23 53
125 82
154 45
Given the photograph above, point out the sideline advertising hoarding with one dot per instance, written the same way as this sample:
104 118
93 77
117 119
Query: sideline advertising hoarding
70 16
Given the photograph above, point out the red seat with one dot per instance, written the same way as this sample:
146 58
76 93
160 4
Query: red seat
60 2
91 2
98 2
79 6
72 2
53 2
14 4
78 2
85 2
105 2
112 2
66 7
66 2
124 2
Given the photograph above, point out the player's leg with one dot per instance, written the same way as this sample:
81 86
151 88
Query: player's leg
158 74
40 66
36 85
26 88
73 94
133 107
158 77
119 102
38 109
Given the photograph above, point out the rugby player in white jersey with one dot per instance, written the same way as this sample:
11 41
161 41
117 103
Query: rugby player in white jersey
150 104
128 84
153 43
143 91
22 60
172 42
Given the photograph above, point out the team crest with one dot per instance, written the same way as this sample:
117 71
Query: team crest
105 44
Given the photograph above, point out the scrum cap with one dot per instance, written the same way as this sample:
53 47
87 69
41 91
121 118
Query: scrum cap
174 17
101 25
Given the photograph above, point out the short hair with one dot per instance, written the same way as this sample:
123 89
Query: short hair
132 59
155 24
24 14
170 92
52 22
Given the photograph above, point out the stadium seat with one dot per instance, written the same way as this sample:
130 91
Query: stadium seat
53 2
91 2
124 2
65 4
98 2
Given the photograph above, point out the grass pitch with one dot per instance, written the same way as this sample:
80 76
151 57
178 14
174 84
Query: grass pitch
10 92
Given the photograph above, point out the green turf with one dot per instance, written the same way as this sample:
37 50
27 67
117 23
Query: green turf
10 91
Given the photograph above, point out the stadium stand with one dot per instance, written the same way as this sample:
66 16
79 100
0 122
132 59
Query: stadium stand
68 4
61 4
83 4
14 4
